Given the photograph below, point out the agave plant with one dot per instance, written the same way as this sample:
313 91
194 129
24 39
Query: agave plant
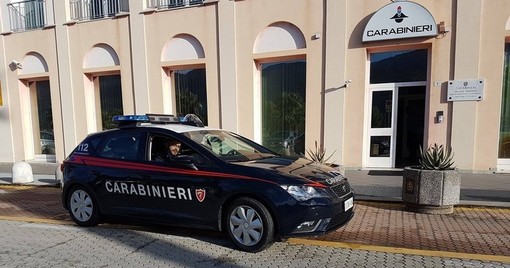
436 158
319 154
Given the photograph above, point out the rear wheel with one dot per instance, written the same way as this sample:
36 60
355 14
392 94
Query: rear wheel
250 225
82 207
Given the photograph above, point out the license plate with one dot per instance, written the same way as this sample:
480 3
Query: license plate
348 204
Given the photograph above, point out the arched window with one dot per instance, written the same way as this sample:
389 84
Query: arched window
283 88
189 89
104 89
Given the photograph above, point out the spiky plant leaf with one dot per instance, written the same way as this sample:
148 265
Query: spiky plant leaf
318 155
436 157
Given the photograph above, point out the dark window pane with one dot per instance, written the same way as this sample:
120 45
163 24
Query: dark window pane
381 109
96 9
121 147
504 132
283 106
191 93
45 117
110 94
398 66
380 146
175 3
101 8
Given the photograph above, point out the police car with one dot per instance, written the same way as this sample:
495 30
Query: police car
218 180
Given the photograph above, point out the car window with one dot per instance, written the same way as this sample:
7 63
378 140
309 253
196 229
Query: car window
121 147
89 146
229 147
170 149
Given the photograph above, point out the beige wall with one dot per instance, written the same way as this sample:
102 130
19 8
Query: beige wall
161 27
17 46
492 40
335 74
82 38
252 17
227 30
474 44
479 55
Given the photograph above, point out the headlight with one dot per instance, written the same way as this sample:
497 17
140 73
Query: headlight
303 192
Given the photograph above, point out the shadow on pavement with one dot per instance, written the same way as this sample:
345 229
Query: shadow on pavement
485 195
385 173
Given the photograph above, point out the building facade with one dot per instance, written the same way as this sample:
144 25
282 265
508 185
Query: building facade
371 81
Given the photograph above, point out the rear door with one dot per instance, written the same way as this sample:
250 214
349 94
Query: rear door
119 181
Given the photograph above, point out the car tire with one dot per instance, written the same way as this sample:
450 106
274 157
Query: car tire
249 225
83 207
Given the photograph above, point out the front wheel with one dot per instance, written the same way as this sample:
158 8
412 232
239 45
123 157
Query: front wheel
250 225
83 207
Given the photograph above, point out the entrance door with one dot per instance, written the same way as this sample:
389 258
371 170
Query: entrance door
396 125
410 125
381 128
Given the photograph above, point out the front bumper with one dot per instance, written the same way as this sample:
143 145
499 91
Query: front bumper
316 218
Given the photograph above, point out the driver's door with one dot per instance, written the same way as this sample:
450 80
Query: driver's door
180 191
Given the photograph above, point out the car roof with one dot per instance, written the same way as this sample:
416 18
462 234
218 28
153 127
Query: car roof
188 123
178 128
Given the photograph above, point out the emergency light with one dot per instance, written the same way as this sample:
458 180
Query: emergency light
136 120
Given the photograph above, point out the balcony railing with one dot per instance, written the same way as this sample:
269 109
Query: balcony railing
82 10
165 4
27 15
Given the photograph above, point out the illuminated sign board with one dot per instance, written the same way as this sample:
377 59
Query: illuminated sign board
400 20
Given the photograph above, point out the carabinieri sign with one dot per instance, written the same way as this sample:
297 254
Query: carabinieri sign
400 20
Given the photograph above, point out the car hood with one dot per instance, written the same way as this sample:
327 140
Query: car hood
296 168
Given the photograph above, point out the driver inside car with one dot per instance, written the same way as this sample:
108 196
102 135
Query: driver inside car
171 151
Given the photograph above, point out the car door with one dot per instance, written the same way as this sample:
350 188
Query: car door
181 189
119 181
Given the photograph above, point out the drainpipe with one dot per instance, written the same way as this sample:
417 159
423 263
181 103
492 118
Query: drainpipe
59 85
323 71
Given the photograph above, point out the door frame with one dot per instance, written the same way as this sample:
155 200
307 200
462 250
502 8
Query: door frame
386 162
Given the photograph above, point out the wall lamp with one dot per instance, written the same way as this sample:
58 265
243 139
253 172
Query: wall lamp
443 29
17 64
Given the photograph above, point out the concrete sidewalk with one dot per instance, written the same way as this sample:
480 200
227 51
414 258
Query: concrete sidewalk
476 189
44 174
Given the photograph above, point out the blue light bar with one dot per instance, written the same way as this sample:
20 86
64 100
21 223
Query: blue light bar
163 119
136 120
130 118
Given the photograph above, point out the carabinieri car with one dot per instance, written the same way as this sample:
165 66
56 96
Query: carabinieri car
218 180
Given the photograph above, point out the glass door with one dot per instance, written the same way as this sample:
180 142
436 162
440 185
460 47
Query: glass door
396 124
396 108
381 131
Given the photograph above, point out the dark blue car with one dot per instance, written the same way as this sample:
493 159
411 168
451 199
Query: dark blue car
217 180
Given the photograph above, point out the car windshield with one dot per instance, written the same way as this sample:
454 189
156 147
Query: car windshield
229 146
